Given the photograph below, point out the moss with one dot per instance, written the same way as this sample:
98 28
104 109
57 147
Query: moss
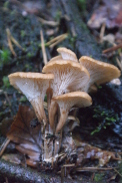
6 82
6 4
72 40
82 4
4 57
105 118
23 33
58 16
29 54
98 177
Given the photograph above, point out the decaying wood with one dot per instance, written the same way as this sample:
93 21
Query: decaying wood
25 175
85 44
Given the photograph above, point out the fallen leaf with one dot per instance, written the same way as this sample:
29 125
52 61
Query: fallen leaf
27 138
13 158
86 151
5 125
110 13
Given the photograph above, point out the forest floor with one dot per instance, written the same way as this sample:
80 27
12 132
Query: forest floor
101 124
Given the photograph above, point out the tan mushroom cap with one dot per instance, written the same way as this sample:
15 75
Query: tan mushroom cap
67 101
33 86
67 54
68 76
59 57
100 72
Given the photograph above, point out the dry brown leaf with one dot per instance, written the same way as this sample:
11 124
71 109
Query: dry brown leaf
13 158
82 151
5 125
28 139
86 151
110 13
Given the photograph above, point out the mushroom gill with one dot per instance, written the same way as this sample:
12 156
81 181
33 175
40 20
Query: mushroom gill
69 100
68 76
67 54
100 72
34 87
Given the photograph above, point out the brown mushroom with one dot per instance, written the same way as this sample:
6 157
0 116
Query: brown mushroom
67 54
33 86
67 101
68 76
100 72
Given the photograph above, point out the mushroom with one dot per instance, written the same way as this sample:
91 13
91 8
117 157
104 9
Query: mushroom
67 54
100 72
59 57
67 101
69 76
34 87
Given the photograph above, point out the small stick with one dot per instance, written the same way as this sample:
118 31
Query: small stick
7 98
9 42
58 41
16 43
43 48
3 146
112 48
55 39
93 169
119 63
46 22
102 31
117 172
69 165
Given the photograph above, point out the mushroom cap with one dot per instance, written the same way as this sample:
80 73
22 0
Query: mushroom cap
76 99
67 101
100 72
33 86
59 57
67 54
69 76
30 84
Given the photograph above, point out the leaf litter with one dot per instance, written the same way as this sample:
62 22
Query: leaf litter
27 138
25 132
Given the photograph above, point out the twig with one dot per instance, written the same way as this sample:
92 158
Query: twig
56 39
102 31
117 172
93 169
119 63
3 146
69 165
10 40
43 48
10 43
112 48
46 22
16 43
7 98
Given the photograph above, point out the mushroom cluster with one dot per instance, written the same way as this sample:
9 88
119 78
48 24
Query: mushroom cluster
66 81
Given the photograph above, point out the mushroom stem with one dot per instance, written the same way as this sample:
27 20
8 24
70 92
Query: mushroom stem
49 96
39 109
52 112
62 120
48 148
57 143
